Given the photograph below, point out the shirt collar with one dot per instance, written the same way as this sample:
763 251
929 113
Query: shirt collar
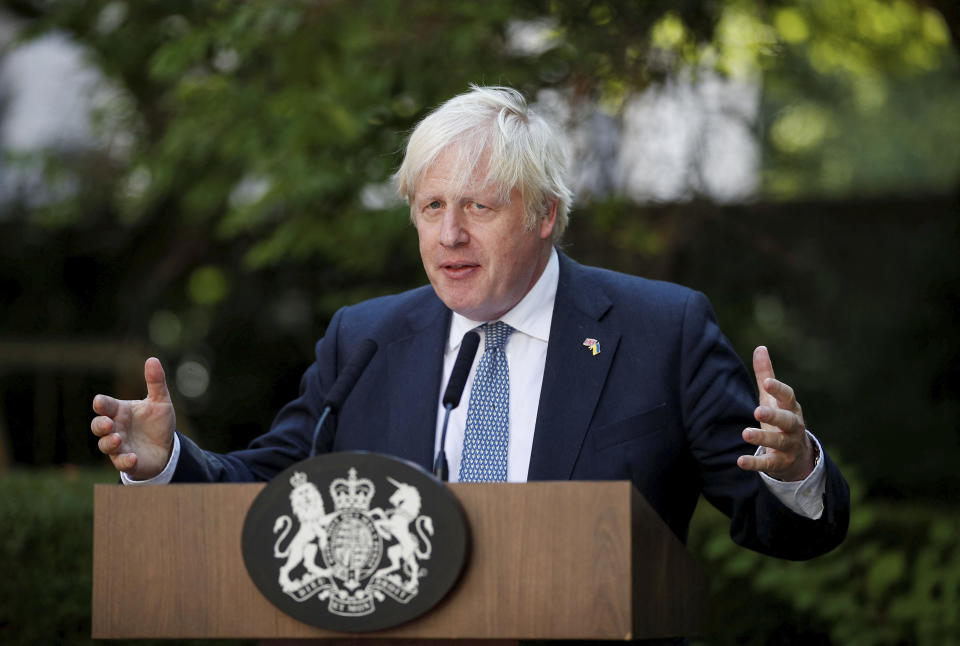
531 316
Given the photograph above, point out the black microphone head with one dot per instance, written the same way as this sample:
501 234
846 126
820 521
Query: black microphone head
350 374
461 368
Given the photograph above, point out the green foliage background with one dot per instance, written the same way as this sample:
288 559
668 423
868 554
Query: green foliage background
237 195
47 549
896 580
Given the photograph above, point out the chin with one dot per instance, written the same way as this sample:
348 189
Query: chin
468 310
457 301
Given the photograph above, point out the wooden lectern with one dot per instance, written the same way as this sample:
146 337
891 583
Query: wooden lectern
548 560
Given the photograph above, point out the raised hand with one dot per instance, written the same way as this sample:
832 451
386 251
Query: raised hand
137 435
789 452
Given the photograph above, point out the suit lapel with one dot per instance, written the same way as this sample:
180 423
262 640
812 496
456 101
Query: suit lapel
573 376
414 371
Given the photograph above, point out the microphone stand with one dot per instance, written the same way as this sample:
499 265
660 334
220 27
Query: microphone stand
440 467
451 398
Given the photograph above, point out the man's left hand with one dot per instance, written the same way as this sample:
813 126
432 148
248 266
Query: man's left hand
789 454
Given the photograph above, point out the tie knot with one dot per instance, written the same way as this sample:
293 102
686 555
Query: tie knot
496 335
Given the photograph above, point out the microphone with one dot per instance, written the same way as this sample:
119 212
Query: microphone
451 396
344 384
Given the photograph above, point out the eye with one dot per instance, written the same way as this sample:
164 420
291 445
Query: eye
479 207
434 205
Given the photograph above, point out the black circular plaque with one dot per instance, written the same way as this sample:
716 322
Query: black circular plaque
354 541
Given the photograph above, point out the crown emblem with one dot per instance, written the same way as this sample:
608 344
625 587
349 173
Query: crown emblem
352 493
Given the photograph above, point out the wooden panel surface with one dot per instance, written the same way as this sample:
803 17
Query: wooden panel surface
670 590
548 561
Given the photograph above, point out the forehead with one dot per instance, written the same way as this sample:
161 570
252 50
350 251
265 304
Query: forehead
457 171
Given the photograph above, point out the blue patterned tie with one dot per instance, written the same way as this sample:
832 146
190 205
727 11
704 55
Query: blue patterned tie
487 435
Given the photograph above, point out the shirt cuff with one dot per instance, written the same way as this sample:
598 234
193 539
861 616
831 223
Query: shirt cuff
162 478
804 497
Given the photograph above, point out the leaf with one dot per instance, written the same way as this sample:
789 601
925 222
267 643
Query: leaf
887 570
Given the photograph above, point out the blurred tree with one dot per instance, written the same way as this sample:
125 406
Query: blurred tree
880 98
277 124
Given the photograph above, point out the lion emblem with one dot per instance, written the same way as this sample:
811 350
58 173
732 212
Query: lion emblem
310 539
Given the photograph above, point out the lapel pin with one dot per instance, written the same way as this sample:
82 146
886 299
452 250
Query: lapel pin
593 344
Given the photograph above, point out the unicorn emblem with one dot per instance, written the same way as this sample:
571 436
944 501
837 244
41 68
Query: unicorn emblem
396 523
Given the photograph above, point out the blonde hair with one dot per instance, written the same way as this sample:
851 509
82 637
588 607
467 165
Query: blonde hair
523 151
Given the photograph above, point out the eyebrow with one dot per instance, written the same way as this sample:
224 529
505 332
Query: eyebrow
488 196
492 199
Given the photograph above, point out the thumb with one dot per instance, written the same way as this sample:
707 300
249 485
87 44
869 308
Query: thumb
156 381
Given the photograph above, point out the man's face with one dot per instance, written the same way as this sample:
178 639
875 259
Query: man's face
478 255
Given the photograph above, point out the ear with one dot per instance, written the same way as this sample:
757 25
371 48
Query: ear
548 221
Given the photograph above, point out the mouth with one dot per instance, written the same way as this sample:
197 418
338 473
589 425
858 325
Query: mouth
458 269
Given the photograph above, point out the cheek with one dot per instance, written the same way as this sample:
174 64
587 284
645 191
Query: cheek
524 249
424 237
512 265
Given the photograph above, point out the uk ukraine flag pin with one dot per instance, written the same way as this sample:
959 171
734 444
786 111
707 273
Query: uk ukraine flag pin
593 344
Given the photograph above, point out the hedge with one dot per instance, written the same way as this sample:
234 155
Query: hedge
895 580
46 552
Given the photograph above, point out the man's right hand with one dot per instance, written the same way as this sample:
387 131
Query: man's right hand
137 435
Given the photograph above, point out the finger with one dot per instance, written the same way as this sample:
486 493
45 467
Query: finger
763 370
105 405
156 380
769 439
101 426
783 393
109 444
124 461
784 420
766 462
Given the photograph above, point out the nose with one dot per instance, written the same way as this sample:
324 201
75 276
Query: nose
453 232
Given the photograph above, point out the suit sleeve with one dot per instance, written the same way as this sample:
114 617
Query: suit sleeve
288 440
718 402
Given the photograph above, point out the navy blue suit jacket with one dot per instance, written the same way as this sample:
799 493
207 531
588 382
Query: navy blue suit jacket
662 405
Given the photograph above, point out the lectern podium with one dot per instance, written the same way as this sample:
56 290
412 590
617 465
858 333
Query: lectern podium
548 560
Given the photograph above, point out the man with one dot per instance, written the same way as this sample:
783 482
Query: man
588 374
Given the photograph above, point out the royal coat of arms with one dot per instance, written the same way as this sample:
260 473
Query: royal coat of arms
337 556
354 541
